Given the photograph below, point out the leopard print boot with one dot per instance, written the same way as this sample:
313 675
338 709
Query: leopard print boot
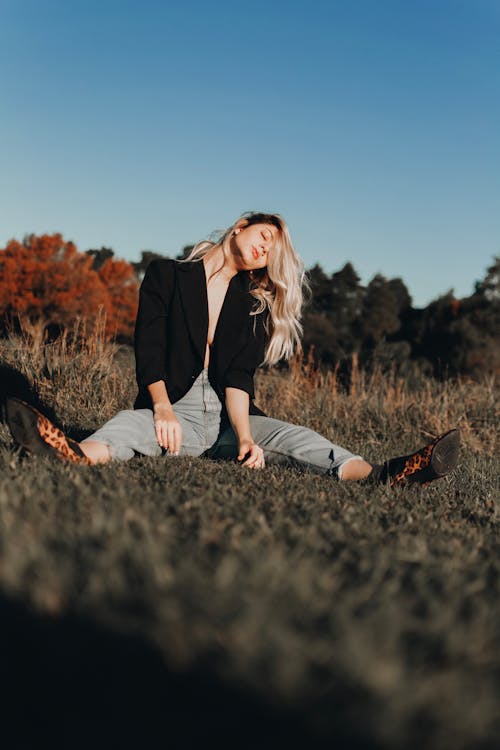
36 433
433 461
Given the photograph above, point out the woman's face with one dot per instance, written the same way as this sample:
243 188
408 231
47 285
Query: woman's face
252 244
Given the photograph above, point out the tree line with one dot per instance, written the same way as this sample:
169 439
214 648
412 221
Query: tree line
378 322
46 279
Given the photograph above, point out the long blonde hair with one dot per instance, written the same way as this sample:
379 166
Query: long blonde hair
278 288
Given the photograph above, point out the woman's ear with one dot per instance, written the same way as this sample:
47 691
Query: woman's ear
240 226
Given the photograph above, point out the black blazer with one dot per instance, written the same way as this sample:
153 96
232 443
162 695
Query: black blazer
172 327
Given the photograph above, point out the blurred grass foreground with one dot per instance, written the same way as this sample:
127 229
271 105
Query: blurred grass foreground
182 602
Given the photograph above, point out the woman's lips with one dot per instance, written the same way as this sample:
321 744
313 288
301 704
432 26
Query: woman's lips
255 252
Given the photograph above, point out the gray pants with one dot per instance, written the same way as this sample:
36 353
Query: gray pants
199 411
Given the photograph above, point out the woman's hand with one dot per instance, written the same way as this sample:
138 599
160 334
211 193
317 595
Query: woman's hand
167 428
254 453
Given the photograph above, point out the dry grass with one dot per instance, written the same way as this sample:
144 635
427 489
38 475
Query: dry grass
332 601
83 377
381 407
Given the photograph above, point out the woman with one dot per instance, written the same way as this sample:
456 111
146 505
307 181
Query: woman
203 327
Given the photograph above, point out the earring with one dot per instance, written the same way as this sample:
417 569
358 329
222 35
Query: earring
237 231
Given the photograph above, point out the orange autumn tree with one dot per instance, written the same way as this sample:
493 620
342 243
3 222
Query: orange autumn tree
45 278
121 284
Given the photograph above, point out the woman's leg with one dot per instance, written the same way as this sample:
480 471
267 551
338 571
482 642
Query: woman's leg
303 448
132 431
293 445
128 432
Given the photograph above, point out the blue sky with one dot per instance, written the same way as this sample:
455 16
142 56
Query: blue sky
373 126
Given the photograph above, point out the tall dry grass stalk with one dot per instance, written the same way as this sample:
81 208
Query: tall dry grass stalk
81 374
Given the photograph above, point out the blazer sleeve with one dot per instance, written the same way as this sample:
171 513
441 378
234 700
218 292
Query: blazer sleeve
150 339
241 371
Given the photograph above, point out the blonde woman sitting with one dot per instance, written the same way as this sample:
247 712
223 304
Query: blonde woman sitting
203 327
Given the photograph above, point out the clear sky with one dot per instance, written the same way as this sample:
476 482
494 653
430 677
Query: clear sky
373 126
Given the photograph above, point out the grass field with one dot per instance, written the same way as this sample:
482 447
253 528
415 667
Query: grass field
177 602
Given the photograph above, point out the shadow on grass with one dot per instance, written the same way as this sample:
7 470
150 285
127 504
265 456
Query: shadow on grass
70 683
13 384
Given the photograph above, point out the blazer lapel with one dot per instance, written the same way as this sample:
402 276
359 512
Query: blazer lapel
193 293
234 316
